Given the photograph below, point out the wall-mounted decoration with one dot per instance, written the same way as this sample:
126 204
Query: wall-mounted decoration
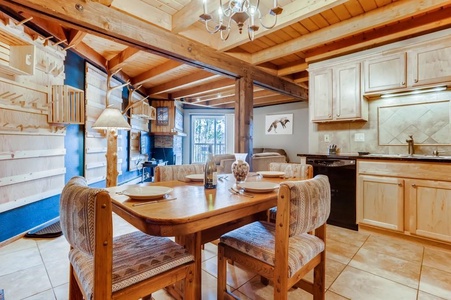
428 122
279 124
178 119
162 115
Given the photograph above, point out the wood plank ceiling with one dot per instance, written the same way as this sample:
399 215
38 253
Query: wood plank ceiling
307 31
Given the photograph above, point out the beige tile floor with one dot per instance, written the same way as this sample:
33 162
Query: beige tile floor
360 265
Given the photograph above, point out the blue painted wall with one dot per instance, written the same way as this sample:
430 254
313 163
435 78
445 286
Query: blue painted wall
22 219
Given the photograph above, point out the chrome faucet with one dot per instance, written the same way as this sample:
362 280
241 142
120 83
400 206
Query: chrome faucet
410 145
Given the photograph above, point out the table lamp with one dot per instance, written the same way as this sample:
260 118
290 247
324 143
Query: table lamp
111 120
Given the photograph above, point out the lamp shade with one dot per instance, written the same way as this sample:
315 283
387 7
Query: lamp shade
111 118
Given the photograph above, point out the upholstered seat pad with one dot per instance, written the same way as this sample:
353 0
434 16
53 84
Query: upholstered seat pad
258 240
136 257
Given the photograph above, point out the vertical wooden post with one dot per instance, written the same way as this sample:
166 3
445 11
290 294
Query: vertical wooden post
111 158
244 106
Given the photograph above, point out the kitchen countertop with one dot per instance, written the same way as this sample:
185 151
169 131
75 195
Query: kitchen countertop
396 157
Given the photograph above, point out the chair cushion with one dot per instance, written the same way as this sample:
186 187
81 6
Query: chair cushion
179 172
258 240
136 257
77 218
310 203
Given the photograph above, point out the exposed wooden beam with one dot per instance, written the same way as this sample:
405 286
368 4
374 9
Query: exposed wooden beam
186 81
144 11
120 59
387 14
190 13
295 68
205 88
157 71
104 2
75 37
292 13
115 25
302 77
275 100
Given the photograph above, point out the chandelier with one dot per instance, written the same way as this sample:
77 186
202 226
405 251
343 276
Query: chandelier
239 11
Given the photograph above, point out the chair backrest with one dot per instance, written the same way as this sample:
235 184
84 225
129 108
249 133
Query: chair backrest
86 222
303 171
177 172
309 204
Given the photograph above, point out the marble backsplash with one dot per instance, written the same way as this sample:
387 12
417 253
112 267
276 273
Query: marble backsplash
390 121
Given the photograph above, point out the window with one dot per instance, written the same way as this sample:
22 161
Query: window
207 131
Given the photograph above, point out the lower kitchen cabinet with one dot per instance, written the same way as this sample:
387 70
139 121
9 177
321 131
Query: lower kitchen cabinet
381 201
430 208
405 196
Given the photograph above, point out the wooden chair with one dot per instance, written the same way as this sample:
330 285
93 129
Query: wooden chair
177 172
130 266
302 171
283 252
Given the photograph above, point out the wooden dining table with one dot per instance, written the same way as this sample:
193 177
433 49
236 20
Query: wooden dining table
195 215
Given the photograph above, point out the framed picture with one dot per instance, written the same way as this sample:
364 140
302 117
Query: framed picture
162 115
279 124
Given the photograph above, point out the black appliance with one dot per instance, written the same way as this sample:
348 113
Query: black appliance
342 178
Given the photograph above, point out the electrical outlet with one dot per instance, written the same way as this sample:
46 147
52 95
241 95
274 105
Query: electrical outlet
326 138
359 137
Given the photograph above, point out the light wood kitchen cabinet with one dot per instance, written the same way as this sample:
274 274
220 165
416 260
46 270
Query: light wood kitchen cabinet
321 94
336 95
382 201
406 196
385 72
430 64
430 208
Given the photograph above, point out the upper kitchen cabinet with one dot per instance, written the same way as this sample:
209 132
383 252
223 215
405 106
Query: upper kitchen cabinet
336 95
430 64
385 72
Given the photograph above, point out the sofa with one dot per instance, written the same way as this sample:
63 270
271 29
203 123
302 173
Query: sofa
261 158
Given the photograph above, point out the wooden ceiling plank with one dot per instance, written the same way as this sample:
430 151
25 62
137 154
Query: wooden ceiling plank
205 88
120 59
440 18
292 13
378 17
115 25
354 7
158 70
186 81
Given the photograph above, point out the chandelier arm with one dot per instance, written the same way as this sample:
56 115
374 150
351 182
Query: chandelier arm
251 36
271 26
228 31
211 31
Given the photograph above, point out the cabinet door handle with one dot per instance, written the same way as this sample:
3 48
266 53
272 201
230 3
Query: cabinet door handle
416 80
400 184
330 116
403 83
414 185
338 115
